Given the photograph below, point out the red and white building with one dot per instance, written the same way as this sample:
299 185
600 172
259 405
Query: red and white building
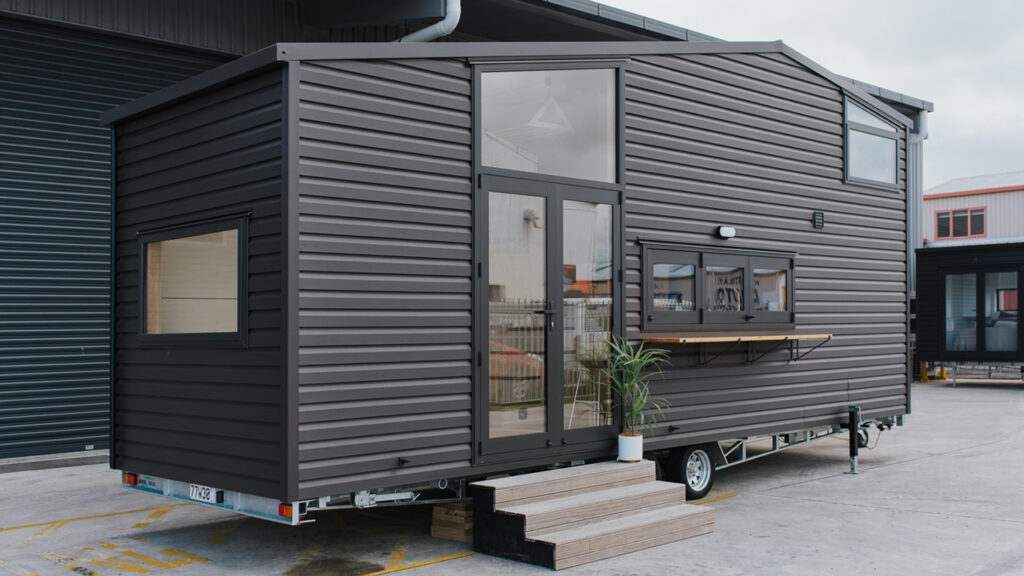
990 206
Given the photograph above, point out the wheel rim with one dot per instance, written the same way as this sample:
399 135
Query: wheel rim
698 470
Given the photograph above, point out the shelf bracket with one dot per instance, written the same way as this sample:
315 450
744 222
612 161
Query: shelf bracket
751 358
702 350
794 352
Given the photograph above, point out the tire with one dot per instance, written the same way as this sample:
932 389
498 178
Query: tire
862 438
693 467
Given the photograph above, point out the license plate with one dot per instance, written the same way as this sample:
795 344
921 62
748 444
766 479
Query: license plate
202 493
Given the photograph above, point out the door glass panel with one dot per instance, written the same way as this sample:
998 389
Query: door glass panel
517 315
961 312
557 122
587 313
1001 311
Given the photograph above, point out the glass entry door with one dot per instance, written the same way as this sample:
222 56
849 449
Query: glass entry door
550 283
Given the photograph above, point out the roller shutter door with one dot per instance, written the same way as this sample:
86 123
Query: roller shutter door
55 168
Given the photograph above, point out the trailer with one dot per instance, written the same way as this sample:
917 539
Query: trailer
347 274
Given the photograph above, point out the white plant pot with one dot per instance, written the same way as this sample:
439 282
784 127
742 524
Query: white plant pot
631 448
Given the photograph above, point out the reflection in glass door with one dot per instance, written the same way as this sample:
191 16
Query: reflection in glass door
519 314
587 267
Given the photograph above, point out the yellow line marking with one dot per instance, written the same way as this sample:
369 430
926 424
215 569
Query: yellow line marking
63 522
220 537
419 564
397 555
715 499
155 516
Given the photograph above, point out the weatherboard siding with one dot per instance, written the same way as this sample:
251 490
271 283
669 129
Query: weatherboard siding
204 414
384 223
756 142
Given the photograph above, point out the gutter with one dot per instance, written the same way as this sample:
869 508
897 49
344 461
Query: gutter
453 11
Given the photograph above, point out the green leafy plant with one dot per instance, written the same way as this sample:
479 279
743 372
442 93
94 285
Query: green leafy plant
629 371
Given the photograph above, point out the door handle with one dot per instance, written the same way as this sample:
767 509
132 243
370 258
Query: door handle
549 318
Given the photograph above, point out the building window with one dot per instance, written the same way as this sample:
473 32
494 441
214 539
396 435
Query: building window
871 148
193 282
686 286
558 122
966 223
988 323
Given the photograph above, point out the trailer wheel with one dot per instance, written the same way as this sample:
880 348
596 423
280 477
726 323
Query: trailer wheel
693 467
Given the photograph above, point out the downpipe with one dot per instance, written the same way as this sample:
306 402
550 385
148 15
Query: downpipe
453 12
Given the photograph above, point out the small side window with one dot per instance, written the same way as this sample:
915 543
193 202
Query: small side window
193 283
871 148
673 288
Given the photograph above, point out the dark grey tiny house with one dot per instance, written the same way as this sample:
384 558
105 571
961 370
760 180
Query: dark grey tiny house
391 282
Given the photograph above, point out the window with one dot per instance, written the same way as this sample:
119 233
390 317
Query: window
559 122
193 282
966 223
871 148
985 324
685 286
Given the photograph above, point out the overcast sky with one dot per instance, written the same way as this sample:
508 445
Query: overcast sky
966 57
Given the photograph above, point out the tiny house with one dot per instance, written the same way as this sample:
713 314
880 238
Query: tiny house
968 299
347 269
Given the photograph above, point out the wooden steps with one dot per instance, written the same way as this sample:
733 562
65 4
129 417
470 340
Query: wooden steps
570 516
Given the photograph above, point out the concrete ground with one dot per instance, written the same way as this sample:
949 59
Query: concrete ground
941 495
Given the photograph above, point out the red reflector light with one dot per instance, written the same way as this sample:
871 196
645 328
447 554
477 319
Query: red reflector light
284 510
130 479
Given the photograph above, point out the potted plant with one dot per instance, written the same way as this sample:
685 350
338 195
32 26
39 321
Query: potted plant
629 370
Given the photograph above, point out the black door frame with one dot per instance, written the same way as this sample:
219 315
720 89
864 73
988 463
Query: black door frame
555 441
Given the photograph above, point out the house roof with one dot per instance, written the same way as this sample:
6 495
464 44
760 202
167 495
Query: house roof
984 184
280 53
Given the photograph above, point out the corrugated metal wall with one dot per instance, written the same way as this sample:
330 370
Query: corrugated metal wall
204 414
755 141
384 273
1003 212
231 26
55 163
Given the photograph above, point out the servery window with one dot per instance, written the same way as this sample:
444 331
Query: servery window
687 286
966 223
192 280
871 148
559 122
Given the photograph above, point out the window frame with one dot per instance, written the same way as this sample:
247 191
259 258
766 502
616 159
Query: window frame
854 126
238 338
970 213
703 319
980 352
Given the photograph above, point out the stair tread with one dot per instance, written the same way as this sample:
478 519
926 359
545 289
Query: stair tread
634 493
546 477
598 528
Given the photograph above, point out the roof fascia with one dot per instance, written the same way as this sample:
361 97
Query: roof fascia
849 88
243 66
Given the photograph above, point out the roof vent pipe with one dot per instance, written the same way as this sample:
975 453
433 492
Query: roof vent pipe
452 13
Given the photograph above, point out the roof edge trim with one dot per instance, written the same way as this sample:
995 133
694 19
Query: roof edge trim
201 82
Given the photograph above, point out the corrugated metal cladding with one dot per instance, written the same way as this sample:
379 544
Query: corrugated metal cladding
1002 213
384 273
204 414
232 26
755 141
55 163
